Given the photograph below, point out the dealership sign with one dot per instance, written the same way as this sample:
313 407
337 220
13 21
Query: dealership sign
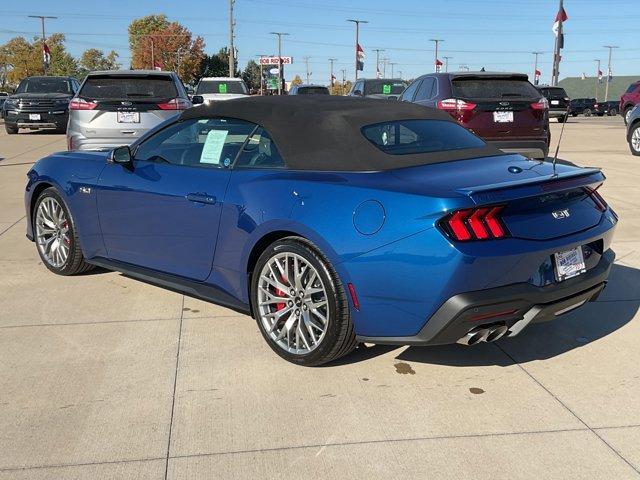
274 60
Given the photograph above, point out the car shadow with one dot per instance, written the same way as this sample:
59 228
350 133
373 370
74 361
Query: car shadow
616 307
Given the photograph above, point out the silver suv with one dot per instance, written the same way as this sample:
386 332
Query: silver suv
115 108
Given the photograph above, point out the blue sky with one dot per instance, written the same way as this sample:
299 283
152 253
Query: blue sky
495 34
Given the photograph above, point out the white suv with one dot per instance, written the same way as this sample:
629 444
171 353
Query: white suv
221 88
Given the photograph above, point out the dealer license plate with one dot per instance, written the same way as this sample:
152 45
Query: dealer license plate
503 117
555 102
128 117
34 116
569 263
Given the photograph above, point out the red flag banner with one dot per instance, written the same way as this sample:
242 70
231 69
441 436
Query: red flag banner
438 62
359 57
560 17
46 54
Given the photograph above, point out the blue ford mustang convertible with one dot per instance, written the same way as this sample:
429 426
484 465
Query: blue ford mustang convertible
332 221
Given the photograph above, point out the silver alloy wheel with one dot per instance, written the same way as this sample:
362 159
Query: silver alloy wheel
52 232
627 116
292 303
635 139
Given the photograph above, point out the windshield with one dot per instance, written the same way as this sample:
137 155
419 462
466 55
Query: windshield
45 85
221 86
420 136
116 87
493 88
384 87
313 90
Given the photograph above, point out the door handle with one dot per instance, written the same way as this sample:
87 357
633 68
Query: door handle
201 198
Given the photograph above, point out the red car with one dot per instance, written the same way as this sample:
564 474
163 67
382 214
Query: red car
505 109
629 99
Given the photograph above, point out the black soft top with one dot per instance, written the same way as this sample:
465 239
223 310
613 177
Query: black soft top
323 132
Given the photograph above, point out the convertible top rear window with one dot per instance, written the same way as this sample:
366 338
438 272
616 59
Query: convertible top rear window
420 136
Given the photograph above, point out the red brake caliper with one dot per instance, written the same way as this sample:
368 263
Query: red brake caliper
66 240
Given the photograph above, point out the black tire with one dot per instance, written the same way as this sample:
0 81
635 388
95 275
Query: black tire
75 262
587 112
562 119
10 129
613 112
634 128
339 337
574 114
61 129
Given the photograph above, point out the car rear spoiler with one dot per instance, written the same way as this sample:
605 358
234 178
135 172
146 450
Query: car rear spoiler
532 187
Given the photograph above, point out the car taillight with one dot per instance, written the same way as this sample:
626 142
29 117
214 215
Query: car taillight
81 104
175 104
483 223
541 104
455 104
600 202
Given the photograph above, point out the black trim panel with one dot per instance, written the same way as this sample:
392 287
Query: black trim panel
189 287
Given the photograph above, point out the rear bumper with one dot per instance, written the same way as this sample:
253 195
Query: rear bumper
557 112
47 119
528 148
529 304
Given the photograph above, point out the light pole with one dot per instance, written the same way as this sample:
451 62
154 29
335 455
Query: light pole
306 63
279 35
331 60
44 38
378 50
597 60
437 42
392 65
357 22
261 72
232 52
606 87
446 63
535 66
400 74
344 79
385 61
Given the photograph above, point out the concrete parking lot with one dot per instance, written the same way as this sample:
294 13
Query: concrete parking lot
106 377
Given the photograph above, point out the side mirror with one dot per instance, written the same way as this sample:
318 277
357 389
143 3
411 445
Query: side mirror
197 99
121 155
357 93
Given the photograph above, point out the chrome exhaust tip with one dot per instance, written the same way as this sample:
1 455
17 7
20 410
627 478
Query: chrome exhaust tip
495 333
474 337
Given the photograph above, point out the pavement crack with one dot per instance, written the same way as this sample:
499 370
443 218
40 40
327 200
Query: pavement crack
175 383
568 409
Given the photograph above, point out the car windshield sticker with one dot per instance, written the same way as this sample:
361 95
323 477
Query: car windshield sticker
386 89
222 88
212 148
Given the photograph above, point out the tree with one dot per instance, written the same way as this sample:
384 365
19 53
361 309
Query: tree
157 43
251 75
340 88
93 59
23 58
217 65
296 80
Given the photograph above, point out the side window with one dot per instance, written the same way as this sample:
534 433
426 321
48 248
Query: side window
407 95
358 86
207 143
425 91
259 152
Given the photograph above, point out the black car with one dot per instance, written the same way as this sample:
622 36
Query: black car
582 106
384 88
39 102
558 101
305 89
606 108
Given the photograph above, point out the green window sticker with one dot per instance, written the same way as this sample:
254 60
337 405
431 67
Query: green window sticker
222 88
386 89
212 148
